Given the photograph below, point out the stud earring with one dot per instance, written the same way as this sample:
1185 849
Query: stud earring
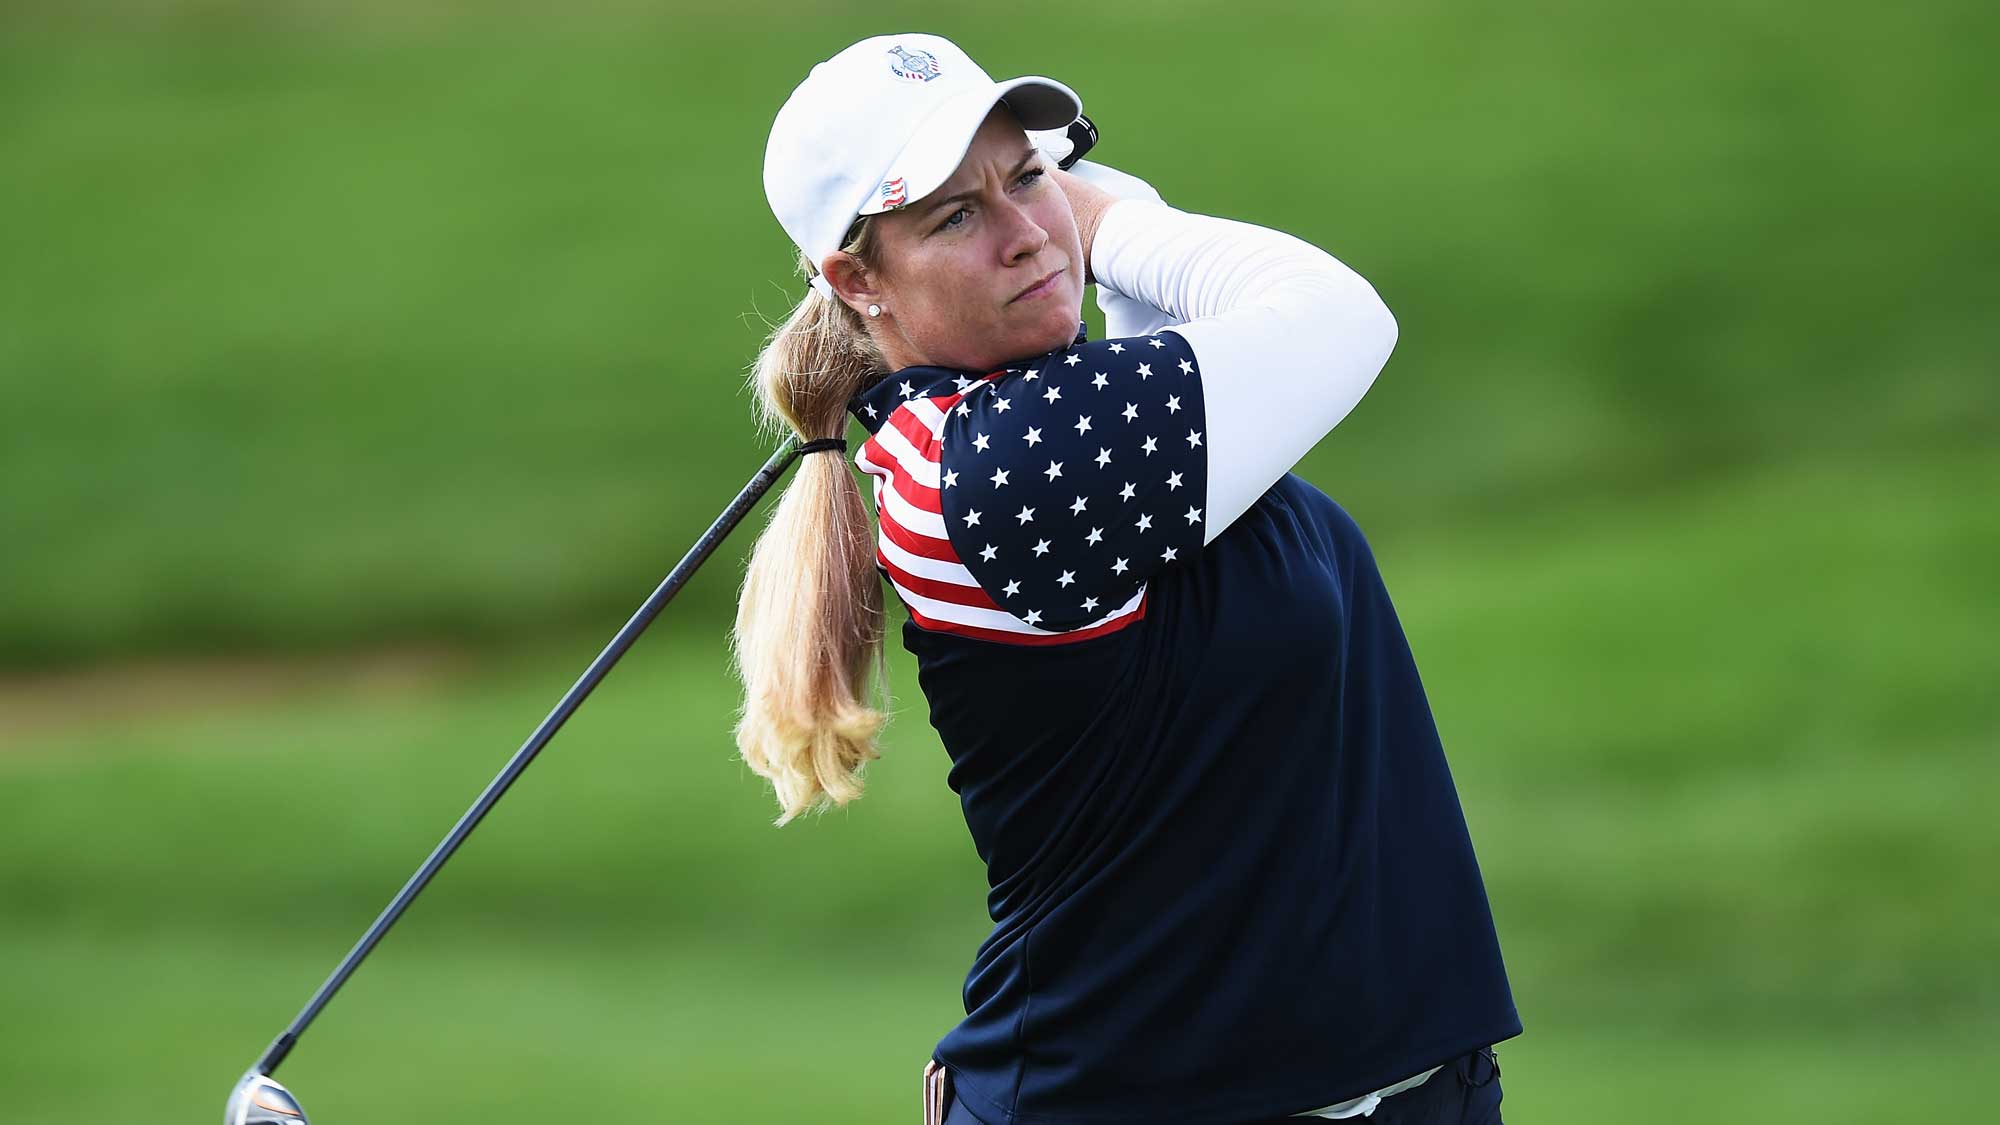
874 310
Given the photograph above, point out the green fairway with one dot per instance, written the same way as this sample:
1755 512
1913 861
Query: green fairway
463 1032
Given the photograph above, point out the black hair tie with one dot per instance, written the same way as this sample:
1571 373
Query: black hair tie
819 444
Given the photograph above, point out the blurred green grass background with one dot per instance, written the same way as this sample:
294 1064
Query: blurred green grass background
361 365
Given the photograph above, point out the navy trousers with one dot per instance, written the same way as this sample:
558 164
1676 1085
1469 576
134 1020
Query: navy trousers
1466 1091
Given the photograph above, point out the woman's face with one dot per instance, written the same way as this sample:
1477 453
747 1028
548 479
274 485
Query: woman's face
985 269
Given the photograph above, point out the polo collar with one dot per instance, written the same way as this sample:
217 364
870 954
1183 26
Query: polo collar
875 402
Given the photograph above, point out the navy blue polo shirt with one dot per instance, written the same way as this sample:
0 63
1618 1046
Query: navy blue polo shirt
1230 878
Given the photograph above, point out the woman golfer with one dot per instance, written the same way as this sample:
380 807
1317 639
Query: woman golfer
1230 880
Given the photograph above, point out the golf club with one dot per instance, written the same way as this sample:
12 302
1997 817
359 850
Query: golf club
260 1100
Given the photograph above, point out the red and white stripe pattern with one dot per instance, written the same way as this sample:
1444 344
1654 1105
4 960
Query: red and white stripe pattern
913 546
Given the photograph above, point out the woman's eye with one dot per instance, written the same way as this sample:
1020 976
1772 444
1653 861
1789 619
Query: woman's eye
957 218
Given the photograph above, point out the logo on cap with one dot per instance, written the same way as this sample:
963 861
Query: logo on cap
895 193
917 66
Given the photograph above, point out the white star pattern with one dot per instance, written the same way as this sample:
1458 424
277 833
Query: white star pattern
1005 453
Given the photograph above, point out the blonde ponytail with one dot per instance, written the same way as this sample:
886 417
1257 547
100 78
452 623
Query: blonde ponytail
809 622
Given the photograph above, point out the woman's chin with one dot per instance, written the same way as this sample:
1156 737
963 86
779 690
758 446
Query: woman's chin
1019 337
1057 328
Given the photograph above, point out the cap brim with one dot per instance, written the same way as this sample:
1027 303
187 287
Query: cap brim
940 143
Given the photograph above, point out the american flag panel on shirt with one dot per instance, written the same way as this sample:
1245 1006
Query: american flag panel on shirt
1031 506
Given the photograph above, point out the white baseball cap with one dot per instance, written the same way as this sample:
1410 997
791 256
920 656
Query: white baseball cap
883 124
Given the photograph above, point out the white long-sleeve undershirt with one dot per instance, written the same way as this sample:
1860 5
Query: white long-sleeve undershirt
1287 337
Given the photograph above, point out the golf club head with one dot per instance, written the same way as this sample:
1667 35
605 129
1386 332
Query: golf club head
259 1100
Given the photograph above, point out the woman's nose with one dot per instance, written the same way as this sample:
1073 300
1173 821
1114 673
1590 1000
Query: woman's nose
1025 237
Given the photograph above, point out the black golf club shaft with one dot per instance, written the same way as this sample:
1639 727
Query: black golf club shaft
678 577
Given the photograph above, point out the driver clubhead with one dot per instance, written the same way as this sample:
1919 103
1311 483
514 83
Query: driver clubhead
259 1100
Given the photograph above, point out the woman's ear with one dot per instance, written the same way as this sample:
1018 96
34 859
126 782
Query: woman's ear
856 287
